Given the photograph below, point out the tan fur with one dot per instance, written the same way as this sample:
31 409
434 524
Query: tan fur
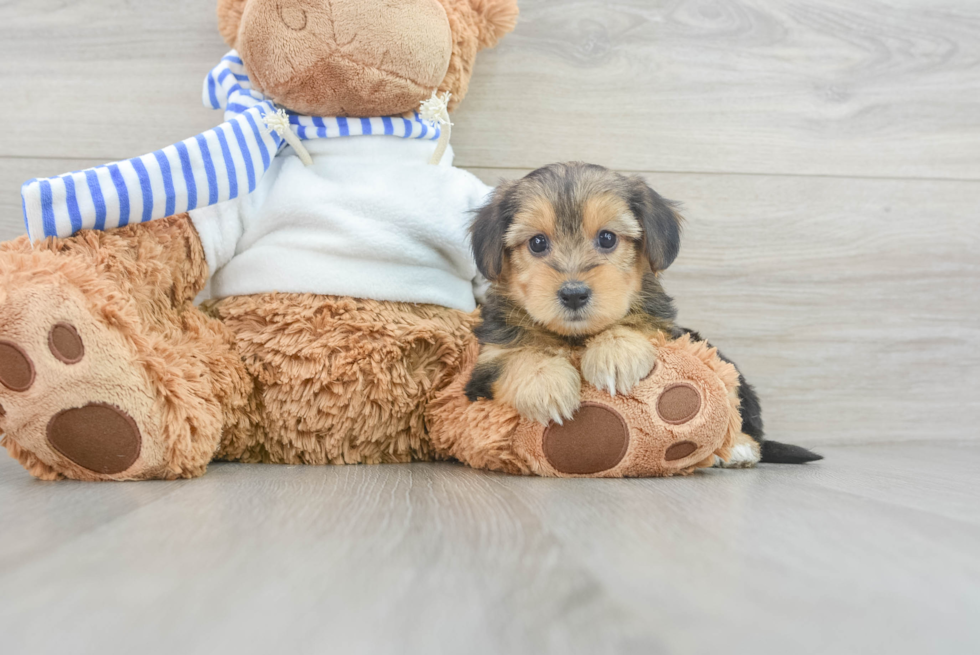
533 281
274 378
607 211
339 380
571 211
277 377
229 18
29 461
314 379
617 359
536 216
542 386
494 19
741 440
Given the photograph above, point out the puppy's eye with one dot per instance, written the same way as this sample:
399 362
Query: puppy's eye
607 240
538 244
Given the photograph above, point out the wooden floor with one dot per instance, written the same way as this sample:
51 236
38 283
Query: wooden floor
872 551
828 158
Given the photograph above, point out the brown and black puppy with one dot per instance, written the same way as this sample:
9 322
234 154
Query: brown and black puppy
573 252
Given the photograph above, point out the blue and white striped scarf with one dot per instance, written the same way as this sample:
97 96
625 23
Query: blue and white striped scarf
209 168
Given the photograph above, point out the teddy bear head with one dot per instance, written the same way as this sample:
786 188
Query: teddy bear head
361 57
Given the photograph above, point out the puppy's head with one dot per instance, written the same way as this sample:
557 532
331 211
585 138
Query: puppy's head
571 243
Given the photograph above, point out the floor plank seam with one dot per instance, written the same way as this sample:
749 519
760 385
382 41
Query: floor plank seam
884 178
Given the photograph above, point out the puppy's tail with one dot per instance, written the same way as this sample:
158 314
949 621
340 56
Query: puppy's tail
774 452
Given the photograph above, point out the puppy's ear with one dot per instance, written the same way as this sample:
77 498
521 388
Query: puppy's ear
660 221
495 19
229 19
489 230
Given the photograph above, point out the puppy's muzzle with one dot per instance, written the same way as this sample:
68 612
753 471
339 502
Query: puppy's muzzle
574 295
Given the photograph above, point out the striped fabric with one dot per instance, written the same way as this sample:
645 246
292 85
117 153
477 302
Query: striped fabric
212 167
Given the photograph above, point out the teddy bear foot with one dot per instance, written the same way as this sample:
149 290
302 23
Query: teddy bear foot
678 419
597 441
86 391
73 404
673 422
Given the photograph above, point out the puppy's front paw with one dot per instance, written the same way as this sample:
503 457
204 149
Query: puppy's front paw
543 390
617 359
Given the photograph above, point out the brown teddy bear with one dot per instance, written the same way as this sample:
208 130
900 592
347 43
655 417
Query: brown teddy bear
109 371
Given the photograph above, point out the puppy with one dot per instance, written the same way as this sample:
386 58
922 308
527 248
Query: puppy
573 253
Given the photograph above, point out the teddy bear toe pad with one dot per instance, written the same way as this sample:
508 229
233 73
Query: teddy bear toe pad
678 404
65 343
16 368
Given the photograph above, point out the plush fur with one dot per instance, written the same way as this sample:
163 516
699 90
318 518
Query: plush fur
338 380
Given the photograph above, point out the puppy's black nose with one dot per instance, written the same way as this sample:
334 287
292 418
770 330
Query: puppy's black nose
574 295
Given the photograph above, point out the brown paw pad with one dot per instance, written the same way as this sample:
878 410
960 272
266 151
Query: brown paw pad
16 368
98 437
65 344
679 404
595 440
680 450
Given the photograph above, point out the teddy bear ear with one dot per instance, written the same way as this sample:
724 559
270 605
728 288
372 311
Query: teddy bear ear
497 18
229 19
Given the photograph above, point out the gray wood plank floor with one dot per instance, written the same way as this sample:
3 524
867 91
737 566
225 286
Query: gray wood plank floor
872 550
828 158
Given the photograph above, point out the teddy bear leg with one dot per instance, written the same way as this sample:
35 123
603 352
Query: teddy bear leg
678 419
107 370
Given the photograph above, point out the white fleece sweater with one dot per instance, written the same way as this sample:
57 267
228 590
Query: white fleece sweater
371 218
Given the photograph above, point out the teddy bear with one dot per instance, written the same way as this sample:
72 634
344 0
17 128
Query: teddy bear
330 224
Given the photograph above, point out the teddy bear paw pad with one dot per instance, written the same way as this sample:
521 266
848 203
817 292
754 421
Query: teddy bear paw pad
66 344
98 437
596 439
678 404
16 368
680 450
